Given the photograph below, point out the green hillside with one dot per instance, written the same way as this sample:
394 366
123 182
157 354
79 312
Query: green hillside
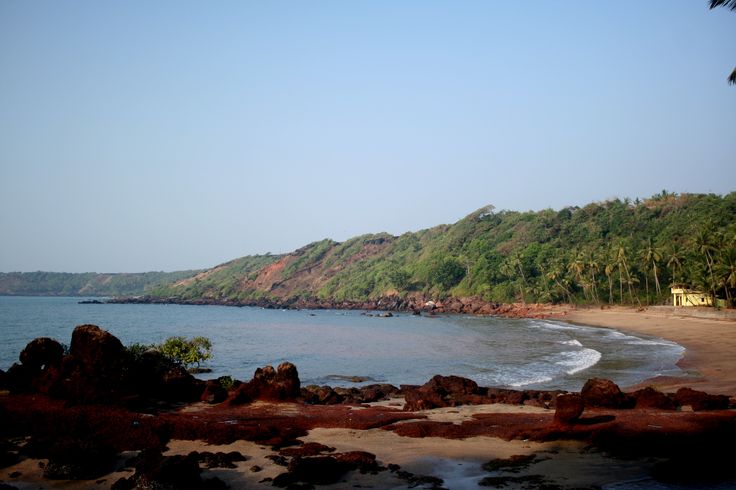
85 284
617 251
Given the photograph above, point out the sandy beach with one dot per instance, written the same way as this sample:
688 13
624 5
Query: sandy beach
709 339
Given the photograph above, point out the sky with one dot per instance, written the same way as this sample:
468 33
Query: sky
139 135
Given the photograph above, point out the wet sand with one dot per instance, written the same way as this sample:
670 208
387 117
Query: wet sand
710 342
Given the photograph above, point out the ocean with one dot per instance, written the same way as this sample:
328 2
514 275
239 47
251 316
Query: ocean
328 346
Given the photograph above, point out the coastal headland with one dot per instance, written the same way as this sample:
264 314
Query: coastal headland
97 417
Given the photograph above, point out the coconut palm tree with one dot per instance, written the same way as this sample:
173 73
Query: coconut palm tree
594 268
674 263
729 4
703 243
623 264
649 257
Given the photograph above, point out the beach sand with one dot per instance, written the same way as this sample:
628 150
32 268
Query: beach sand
709 340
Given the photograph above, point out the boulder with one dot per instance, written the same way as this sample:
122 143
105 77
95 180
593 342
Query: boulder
317 470
156 471
320 395
18 379
79 459
377 392
270 384
97 350
651 398
568 408
213 392
358 460
700 400
441 391
93 370
41 353
604 393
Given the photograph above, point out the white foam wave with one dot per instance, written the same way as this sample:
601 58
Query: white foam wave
574 342
579 360
530 381
554 325
650 342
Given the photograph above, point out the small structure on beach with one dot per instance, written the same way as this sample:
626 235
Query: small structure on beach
681 296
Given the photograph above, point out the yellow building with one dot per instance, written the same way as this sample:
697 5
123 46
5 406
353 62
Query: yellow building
690 297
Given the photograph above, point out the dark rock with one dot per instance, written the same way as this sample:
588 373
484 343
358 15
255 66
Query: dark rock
700 400
153 375
318 470
308 449
76 459
320 395
568 408
441 391
19 379
8 454
213 392
604 393
651 398
277 459
377 392
269 384
93 370
41 353
218 459
358 460
164 473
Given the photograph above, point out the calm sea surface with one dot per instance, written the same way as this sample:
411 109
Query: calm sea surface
328 344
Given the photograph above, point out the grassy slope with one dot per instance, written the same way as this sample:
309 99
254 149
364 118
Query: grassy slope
592 254
85 284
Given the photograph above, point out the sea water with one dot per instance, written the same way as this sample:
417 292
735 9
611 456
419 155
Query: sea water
329 346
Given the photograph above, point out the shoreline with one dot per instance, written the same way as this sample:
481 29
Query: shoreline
448 433
708 361
708 335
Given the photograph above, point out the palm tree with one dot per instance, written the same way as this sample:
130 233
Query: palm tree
674 263
729 4
622 263
555 274
577 267
650 256
594 268
704 246
609 273
727 272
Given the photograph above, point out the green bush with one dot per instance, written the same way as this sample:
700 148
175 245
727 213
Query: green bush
226 382
185 351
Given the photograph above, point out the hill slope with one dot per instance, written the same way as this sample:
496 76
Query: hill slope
606 252
85 284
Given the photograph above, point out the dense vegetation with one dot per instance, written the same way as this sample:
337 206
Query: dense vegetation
617 251
179 350
85 284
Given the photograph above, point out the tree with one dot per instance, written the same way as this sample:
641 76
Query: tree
649 257
704 246
674 263
446 272
399 278
185 351
729 4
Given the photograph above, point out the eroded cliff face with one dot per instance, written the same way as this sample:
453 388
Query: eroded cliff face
304 274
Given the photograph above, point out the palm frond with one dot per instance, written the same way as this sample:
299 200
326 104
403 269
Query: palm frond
729 4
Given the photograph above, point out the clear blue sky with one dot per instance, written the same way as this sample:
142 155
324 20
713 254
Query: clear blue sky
162 135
